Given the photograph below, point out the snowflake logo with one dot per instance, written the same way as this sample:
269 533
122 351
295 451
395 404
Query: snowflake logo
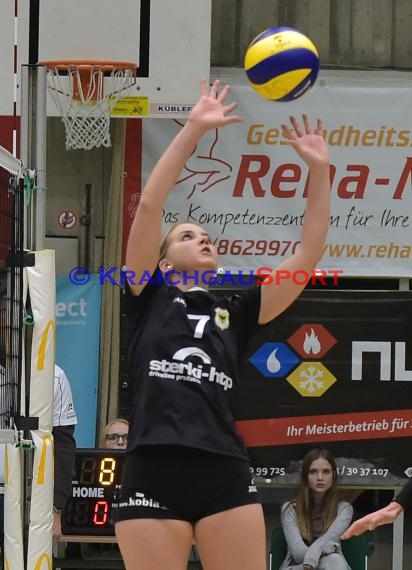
311 379
311 384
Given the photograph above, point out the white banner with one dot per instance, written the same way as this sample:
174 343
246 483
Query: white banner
247 187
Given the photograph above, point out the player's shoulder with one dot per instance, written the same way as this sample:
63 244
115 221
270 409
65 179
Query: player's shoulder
150 296
59 373
245 302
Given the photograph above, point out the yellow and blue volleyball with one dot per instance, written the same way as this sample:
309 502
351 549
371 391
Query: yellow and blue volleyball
281 64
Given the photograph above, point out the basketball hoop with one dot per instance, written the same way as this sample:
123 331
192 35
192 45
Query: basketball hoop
85 99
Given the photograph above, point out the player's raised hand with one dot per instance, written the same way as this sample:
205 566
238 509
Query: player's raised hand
210 111
308 142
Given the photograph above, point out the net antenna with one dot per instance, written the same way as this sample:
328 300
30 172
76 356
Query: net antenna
85 93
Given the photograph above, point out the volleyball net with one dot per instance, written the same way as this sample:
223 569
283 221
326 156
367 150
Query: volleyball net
27 352
11 292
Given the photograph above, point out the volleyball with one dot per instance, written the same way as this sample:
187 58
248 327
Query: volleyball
281 64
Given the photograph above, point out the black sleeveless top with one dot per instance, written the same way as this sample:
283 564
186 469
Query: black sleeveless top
184 354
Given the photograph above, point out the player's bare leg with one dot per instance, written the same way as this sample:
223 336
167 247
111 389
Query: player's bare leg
232 540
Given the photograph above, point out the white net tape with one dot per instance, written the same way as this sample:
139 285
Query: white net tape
10 163
86 106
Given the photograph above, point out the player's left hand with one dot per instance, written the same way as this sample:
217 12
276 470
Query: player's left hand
308 143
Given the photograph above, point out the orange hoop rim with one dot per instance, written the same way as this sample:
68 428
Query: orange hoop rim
88 64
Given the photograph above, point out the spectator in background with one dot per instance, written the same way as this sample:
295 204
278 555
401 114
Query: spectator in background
315 520
115 434
64 422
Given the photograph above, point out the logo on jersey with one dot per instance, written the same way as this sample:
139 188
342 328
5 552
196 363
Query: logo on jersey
179 370
222 318
184 353
140 500
179 300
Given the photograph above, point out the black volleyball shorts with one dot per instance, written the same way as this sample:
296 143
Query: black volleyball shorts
181 483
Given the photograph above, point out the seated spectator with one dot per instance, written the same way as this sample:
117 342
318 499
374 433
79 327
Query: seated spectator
115 434
314 522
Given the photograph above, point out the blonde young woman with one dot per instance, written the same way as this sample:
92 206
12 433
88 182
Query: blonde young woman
115 434
315 520
186 476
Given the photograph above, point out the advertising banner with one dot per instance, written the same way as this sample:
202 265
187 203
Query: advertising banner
78 337
335 371
249 188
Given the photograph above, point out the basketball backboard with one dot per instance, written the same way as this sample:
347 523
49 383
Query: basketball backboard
168 40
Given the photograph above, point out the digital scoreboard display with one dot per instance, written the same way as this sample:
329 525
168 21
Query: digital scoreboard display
97 477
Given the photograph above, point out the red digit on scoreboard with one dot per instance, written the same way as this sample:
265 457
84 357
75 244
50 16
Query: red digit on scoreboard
101 513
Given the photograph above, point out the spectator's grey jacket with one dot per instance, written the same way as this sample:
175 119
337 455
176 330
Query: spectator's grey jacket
298 551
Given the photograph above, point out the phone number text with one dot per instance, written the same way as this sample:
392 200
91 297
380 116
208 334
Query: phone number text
267 471
255 247
362 471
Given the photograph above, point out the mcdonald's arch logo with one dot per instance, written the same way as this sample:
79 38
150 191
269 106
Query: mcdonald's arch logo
44 557
51 326
47 442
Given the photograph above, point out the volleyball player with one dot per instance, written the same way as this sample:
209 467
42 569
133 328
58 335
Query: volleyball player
187 475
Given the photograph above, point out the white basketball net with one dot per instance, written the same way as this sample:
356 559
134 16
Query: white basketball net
86 111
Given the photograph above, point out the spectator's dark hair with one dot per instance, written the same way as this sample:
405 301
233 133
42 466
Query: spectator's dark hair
304 502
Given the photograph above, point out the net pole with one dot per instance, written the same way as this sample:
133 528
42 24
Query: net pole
24 137
15 81
39 152
28 150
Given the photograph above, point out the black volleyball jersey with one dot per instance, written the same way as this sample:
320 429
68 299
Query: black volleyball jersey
183 362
